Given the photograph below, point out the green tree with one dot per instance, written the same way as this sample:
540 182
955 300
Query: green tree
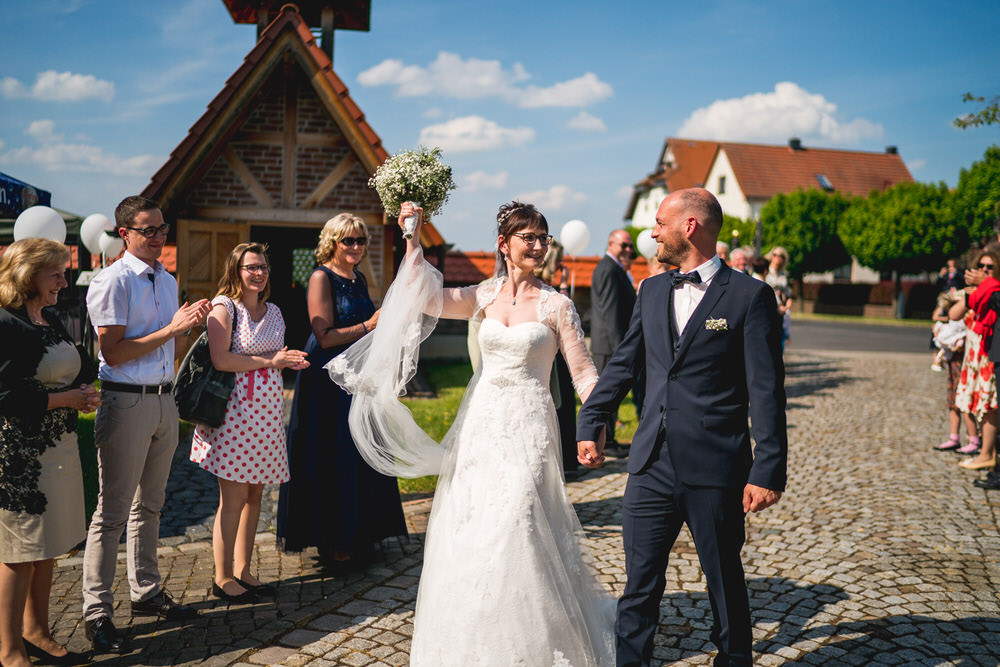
805 223
977 197
744 231
908 228
988 115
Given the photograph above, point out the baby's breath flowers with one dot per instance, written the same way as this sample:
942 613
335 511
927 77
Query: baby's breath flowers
417 176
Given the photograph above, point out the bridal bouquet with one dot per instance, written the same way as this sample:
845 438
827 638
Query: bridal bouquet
416 176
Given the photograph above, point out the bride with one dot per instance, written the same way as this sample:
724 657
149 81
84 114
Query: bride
503 580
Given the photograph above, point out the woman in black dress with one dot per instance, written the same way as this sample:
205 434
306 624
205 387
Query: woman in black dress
334 500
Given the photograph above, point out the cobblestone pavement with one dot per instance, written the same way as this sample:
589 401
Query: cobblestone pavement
881 552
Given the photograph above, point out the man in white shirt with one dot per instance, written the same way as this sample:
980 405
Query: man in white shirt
133 306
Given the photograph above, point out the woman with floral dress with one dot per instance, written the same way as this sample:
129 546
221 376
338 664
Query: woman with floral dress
976 392
246 334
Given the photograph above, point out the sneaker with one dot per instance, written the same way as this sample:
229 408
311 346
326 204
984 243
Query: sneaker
937 367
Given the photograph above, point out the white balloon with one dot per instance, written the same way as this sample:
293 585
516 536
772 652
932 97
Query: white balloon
646 244
40 222
111 245
575 236
92 229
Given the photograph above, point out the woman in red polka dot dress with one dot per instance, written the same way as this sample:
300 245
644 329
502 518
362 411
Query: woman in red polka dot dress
248 450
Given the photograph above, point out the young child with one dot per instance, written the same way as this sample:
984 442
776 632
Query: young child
949 335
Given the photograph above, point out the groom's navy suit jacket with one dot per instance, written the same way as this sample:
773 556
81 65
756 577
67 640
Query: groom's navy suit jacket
702 386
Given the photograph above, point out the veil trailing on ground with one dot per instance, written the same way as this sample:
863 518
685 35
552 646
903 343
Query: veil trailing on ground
377 367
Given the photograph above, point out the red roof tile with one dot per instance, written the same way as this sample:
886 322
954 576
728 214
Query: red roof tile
764 171
691 161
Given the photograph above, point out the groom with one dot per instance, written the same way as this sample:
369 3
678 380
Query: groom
709 339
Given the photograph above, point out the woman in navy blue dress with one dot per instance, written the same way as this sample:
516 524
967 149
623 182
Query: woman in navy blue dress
334 500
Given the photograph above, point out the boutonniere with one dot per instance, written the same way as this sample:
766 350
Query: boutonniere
719 324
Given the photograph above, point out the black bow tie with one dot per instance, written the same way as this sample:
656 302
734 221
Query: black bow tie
679 278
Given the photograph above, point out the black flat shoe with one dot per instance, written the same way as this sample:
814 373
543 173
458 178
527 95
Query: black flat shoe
246 597
43 657
103 635
163 605
263 590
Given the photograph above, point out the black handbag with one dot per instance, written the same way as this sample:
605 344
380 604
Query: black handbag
201 391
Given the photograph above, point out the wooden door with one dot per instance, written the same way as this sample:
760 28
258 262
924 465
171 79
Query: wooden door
202 249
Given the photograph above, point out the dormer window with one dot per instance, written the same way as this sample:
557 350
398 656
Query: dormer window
722 185
824 182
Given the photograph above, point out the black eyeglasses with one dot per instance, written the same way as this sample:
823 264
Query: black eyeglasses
984 265
626 246
256 268
353 240
529 238
150 232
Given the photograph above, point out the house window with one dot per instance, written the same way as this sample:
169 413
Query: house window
824 182
722 185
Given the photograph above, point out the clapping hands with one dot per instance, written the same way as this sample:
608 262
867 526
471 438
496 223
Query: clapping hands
285 358
84 399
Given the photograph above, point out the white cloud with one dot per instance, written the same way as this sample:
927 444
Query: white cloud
53 86
474 133
624 191
788 111
481 180
43 131
54 155
586 122
916 164
579 92
433 112
552 199
451 76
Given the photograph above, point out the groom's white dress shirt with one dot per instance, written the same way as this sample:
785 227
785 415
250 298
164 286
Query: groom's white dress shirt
687 295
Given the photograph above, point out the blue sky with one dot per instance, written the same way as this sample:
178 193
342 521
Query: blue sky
566 104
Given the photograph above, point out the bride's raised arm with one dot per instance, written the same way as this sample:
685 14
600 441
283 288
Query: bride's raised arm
457 303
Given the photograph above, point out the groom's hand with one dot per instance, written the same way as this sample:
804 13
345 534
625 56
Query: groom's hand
590 453
756 498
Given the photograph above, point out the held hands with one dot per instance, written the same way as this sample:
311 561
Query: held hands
285 358
190 315
591 454
756 498
84 399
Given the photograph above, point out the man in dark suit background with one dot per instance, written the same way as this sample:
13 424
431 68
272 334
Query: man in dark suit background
709 339
612 298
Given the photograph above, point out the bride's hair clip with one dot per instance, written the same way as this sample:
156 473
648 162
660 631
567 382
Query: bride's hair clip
506 211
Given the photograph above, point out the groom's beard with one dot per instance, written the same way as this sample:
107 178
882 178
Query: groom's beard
673 250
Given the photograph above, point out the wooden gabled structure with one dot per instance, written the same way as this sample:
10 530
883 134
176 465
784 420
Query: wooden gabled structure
280 150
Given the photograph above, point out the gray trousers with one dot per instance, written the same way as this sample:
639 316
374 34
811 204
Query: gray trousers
136 436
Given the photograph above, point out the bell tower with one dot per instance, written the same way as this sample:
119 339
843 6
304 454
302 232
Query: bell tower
326 16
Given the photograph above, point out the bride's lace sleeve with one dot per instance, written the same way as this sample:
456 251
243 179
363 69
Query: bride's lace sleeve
573 348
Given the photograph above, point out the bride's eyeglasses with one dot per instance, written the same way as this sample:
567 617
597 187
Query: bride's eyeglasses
529 238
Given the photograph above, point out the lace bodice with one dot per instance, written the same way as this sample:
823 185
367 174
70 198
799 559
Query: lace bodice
555 311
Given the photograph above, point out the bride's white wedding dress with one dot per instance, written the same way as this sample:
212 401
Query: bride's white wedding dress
503 581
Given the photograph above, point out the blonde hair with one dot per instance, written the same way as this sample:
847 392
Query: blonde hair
21 262
335 229
551 263
776 249
230 284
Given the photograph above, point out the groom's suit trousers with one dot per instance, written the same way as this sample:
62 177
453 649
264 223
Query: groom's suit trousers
655 508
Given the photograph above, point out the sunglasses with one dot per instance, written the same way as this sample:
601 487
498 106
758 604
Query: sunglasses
353 241
150 232
984 265
256 268
625 246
